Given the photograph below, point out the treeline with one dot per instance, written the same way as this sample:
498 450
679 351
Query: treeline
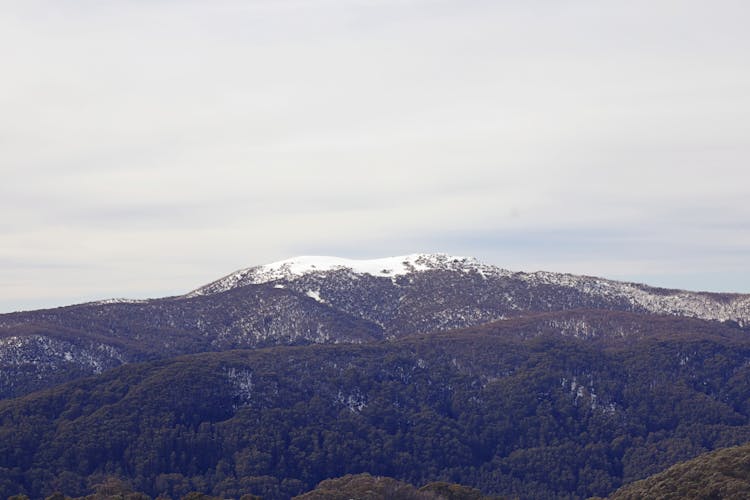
360 486
531 416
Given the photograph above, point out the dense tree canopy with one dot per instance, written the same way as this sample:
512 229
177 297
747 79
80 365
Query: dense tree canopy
522 411
721 474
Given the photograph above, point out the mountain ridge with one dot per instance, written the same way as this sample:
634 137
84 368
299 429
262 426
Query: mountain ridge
521 410
387 267
317 300
737 305
541 385
706 305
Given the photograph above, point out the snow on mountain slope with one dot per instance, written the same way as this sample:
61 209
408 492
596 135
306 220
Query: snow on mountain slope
325 300
704 305
389 267
319 277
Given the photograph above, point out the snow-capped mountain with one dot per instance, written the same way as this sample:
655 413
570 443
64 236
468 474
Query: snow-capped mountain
389 267
311 274
321 300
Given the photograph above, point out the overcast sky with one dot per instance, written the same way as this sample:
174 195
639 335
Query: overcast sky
150 146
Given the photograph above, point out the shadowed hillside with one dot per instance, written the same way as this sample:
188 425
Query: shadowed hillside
721 474
535 407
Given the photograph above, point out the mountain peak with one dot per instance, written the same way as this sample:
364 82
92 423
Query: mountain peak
388 267
384 267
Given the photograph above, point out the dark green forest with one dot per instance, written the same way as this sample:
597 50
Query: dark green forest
510 409
721 474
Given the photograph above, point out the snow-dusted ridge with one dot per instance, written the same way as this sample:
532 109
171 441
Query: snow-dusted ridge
704 305
117 300
334 300
722 307
388 267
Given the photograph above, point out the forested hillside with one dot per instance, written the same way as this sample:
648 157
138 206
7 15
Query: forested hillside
316 300
546 406
721 474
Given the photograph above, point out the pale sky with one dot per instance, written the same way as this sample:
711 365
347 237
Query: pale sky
150 146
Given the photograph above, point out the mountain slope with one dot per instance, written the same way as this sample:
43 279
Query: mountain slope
469 291
40 348
314 300
518 407
721 474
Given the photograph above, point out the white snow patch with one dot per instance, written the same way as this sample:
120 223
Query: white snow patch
242 380
315 294
386 267
389 267
355 401
119 300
